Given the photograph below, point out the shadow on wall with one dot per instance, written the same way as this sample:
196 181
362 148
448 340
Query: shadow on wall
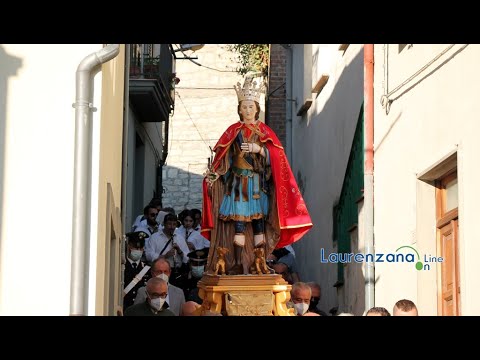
183 187
9 66
336 123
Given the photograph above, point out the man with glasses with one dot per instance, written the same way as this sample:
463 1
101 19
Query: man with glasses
157 291
175 298
149 225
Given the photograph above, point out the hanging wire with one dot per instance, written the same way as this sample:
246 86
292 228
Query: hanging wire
193 122
197 63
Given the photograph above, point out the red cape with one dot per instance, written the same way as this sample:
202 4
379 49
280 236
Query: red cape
293 214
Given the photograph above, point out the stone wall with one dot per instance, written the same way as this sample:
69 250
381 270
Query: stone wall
205 105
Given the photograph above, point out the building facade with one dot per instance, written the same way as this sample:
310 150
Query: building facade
37 123
426 150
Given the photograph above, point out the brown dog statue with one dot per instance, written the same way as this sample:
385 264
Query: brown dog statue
220 266
260 265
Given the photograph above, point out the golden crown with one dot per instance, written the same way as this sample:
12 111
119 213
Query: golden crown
249 91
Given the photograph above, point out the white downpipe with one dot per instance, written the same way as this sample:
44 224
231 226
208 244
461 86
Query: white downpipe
82 176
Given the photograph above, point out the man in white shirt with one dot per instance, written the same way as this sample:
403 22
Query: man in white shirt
166 243
195 241
149 225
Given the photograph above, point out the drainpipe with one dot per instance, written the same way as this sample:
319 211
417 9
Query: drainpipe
86 70
368 176
126 107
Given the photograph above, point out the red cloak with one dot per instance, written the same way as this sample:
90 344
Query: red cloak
293 214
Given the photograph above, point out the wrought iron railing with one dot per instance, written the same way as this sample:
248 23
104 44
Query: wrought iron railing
154 61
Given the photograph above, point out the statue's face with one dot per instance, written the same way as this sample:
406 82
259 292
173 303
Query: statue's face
248 110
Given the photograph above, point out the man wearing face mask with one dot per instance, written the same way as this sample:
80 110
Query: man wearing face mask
197 261
316 295
300 297
154 305
175 298
134 267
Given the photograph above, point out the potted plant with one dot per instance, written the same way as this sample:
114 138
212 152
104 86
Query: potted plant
150 65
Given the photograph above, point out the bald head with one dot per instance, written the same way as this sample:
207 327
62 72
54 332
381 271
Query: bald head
188 309
161 266
157 286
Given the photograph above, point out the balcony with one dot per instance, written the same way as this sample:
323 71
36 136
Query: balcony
151 92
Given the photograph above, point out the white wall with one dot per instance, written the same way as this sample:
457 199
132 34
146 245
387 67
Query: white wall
321 146
37 191
438 112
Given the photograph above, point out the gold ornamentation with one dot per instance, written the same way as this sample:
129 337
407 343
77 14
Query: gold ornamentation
284 173
259 265
284 200
301 209
249 91
248 303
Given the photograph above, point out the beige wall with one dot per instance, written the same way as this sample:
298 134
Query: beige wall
205 105
434 114
37 90
108 274
321 146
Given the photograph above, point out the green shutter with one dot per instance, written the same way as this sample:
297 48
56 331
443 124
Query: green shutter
345 212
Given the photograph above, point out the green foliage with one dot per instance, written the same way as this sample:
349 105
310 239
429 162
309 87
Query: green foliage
252 58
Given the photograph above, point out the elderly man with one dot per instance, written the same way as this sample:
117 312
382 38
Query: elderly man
157 291
175 298
300 295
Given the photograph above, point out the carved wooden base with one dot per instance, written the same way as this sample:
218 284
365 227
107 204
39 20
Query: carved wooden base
213 290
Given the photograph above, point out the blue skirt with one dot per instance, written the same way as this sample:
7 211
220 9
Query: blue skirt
244 209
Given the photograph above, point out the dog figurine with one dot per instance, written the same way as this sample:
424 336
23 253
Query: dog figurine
220 265
260 265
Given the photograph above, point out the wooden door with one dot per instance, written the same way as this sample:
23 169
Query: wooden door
447 247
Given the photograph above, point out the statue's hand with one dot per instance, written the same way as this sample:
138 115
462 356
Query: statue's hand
211 177
251 147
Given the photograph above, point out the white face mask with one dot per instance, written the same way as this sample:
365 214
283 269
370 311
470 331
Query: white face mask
301 308
197 271
164 277
157 304
135 255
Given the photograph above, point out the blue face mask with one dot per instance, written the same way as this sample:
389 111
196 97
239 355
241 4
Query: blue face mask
135 255
197 271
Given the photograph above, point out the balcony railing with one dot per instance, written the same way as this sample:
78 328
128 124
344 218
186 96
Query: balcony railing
154 62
